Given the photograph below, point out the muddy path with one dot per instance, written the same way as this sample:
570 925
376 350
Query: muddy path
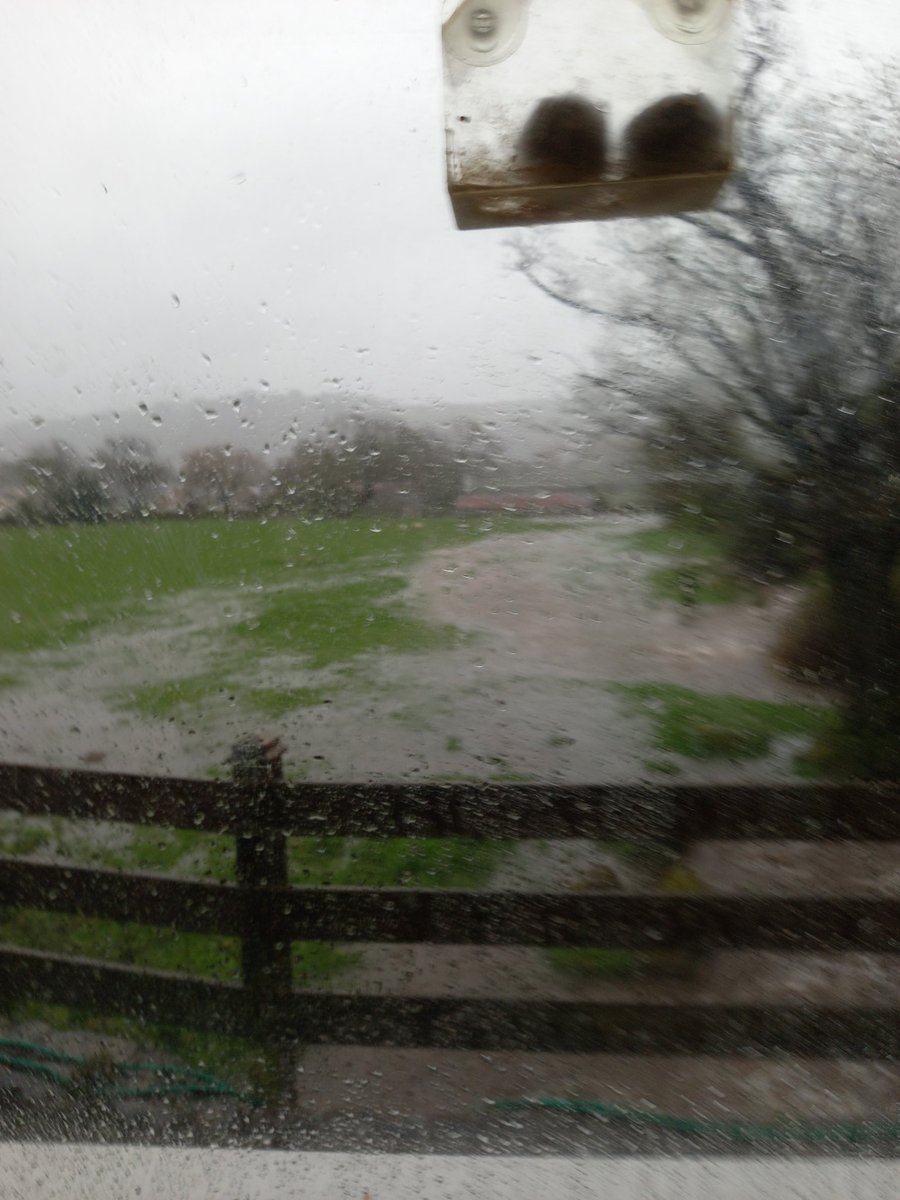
575 604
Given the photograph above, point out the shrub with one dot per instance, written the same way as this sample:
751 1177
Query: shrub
809 644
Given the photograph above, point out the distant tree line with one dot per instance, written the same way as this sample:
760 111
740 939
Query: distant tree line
56 486
373 464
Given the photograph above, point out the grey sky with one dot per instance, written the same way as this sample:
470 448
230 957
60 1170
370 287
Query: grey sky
278 167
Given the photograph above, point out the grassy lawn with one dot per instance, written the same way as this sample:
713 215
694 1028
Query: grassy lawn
57 584
697 725
620 964
194 692
676 542
394 862
697 583
700 572
307 596
334 623
624 965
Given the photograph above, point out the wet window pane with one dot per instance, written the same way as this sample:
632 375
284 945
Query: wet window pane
448 681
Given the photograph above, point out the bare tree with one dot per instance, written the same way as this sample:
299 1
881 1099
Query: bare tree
782 306
351 469
131 475
320 479
58 487
220 480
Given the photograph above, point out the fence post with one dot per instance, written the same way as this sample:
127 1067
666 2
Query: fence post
262 873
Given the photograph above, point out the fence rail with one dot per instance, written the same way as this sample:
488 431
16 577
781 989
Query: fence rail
451 916
266 914
684 813
451 1023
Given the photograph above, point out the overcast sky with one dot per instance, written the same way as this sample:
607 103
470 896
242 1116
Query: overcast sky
200 195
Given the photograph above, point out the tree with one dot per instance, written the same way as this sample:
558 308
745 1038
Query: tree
356 469
701 470
781 307
132 476
320 480
481 454
392 452
220 480
60 488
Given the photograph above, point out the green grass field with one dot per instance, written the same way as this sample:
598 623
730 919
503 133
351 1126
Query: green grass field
702 726
677 542
319 594
701 572
59 583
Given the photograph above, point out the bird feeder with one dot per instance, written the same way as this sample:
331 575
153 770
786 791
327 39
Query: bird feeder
580 110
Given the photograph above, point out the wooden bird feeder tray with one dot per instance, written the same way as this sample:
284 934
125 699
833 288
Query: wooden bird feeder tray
582 110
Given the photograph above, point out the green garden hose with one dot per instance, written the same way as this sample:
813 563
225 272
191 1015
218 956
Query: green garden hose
35 1059
739 1130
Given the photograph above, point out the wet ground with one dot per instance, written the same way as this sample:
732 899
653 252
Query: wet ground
549 620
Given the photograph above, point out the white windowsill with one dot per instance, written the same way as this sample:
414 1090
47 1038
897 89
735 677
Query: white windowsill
49 1172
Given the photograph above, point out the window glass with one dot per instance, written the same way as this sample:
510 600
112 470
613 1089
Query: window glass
300 485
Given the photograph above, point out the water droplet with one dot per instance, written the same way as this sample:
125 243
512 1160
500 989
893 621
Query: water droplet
176 300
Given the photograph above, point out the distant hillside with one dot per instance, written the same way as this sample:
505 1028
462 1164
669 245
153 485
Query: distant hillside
253 422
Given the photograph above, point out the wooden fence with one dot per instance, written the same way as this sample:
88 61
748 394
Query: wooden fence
266 914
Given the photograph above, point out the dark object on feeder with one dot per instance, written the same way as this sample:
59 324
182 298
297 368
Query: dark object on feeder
679 135
565 138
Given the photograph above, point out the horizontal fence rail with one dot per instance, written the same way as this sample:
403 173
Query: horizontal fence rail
679 814
451 916
266 915
451 1023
